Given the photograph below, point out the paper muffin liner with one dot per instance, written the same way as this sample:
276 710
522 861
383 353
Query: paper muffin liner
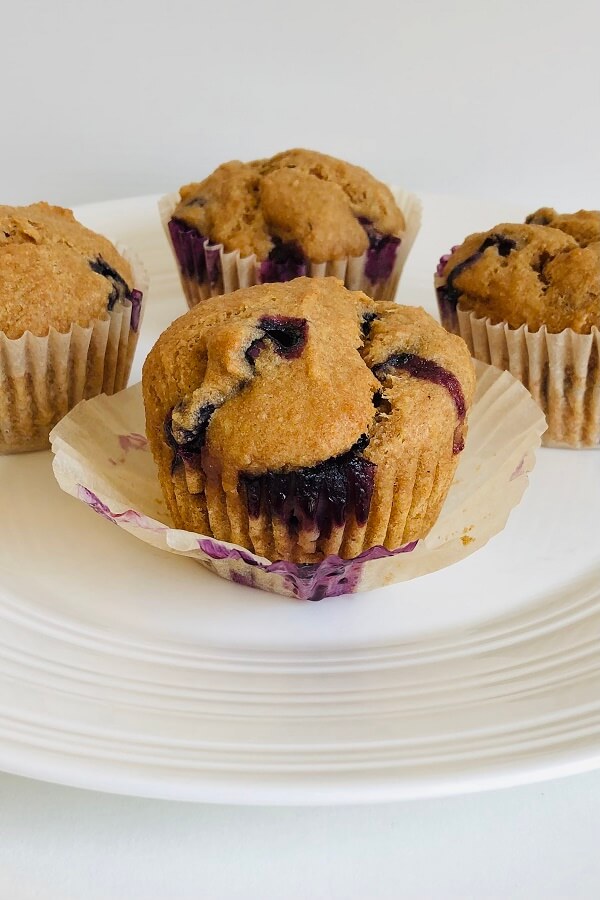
42 378
561 371
103 459
207 270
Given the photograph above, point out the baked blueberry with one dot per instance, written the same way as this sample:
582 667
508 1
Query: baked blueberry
284 262
448 292
288 336
315 499
381 255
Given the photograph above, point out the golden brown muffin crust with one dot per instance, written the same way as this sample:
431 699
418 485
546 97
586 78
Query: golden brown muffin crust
265 425
527 275
583 225
45 275
259 406
298 196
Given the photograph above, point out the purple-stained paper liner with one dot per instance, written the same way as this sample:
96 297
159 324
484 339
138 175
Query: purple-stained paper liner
103 459
330 578
285 262
136 298
562 371
206 270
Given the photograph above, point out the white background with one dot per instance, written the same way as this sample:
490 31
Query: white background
109 99
101 100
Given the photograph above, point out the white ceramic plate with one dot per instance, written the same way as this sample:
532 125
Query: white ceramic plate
126 669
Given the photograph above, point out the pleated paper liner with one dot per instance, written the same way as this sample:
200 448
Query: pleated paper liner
407 492
103 459
560 370
219 272
42 378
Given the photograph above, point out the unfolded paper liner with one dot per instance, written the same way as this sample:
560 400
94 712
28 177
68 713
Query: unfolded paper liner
233 271
103 459
561 371
42 378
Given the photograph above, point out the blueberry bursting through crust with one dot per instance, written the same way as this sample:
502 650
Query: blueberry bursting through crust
430 371
324 496
119 290
288 336
449 293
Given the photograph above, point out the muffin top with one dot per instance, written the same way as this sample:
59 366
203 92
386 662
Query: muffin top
54 272
584 225
527 274
326 208
286 376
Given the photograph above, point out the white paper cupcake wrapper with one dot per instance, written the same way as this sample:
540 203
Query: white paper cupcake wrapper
236 271
561 371
42 378
103 458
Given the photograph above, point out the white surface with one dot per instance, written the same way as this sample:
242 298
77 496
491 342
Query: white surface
160 680
538 842
495 99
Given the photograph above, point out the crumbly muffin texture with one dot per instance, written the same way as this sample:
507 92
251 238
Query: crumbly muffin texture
54 272
584 225
328 208
301 420
524 275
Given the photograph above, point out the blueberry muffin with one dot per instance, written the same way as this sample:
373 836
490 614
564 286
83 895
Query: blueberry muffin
298 213
527 298
301 420
70 309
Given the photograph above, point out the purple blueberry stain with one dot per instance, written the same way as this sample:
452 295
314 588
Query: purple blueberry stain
132 441
316 498
332 577
212 256
127 517
136 298
187 444
285 261
444 261
520 470
119 289
382 252
287 335
448 294
188 245
428 370
245 578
